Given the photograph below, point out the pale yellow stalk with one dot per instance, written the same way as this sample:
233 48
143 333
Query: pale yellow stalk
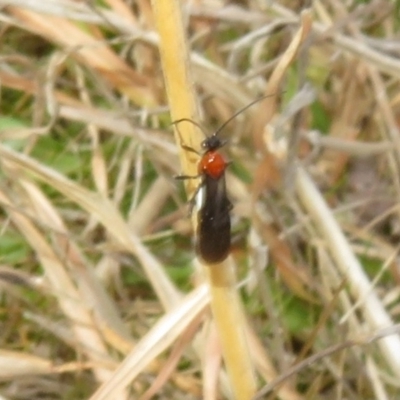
225 302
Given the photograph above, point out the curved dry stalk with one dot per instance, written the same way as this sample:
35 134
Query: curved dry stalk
155 342
384 63
359 284
69 298
362 341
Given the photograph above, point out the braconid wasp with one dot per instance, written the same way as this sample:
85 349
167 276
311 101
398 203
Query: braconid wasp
213 239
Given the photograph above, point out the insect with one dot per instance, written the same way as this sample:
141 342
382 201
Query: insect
213 239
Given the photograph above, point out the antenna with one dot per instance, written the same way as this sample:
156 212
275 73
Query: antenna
225 123
193 122
239 112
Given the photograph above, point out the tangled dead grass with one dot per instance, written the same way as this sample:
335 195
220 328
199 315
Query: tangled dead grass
100 298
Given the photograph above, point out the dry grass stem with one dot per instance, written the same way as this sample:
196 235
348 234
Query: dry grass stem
225 303
349 266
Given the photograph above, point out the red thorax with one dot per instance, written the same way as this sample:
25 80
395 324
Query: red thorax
213 164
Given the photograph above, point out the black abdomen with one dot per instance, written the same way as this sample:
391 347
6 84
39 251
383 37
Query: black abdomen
214 223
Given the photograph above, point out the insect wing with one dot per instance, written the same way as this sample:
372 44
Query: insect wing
214 224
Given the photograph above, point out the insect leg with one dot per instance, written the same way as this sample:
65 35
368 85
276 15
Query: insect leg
192 201
183 177
184 146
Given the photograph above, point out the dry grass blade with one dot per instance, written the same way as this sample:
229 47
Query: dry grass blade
69 299
156 341
268 107
92 51
350 267
88 285
104 211
19 364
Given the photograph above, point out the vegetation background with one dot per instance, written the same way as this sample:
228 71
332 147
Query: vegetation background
101 294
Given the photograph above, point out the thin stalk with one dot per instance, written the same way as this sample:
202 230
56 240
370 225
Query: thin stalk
225 302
